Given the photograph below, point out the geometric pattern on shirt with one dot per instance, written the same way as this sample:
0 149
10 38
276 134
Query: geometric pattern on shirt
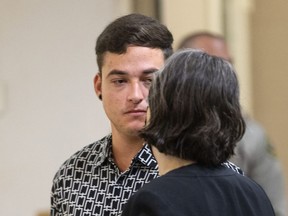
89 183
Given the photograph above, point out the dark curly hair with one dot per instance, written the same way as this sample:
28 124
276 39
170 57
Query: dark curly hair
195 110
133 29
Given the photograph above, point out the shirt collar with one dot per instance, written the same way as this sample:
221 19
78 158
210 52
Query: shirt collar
146 157
104 152
102 149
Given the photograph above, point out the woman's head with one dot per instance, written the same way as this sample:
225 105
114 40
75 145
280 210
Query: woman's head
195 110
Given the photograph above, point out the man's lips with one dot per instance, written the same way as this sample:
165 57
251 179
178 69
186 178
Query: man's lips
136 112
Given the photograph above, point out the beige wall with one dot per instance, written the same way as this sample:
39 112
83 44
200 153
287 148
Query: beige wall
48 109
270 72
190 15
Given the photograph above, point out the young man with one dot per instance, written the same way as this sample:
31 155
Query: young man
100 178
254 153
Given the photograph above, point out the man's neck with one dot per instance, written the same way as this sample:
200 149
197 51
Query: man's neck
124 149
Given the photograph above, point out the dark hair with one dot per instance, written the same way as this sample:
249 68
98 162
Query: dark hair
195 110
187 42
133 29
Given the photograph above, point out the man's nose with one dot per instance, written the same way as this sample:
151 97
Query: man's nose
136 93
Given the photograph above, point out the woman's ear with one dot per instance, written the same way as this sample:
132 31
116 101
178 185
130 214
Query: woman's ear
98 85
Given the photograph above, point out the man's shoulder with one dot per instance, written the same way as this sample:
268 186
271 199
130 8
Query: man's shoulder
93 153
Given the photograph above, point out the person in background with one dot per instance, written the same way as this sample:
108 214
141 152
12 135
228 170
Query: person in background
195 123
254 153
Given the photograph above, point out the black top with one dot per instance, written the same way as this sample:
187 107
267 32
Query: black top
201 191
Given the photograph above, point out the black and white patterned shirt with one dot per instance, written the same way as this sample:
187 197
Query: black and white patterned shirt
89 183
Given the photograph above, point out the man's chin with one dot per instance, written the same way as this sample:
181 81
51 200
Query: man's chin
135 129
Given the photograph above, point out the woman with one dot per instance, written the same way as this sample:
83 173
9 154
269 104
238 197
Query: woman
194 126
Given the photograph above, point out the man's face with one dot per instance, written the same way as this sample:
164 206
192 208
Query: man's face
124 86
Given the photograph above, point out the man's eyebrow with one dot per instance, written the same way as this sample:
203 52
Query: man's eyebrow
116 72
150 71
122 73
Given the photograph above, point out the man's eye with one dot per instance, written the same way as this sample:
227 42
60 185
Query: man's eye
148 82
119 81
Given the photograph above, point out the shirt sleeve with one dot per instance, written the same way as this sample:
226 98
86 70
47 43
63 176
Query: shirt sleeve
55 197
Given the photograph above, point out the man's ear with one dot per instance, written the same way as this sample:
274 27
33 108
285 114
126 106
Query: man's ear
98 85
148 114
